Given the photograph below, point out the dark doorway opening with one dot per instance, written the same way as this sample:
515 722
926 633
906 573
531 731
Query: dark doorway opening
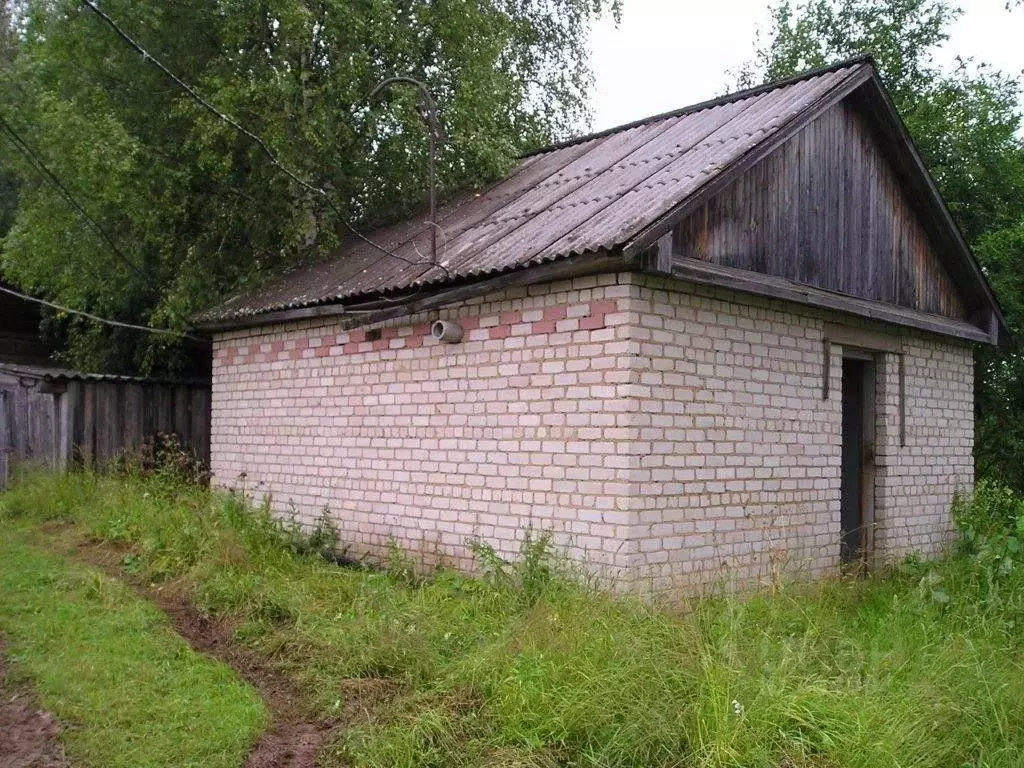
858 457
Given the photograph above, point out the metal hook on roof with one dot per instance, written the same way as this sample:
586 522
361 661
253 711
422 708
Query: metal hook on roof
428 114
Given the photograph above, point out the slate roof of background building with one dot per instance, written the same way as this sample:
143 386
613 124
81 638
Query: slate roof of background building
590 194
56 373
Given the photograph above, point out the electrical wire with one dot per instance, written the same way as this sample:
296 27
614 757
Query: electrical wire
270 154
97 318
42 169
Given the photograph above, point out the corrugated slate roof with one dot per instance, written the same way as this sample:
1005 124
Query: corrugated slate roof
55 373
590 195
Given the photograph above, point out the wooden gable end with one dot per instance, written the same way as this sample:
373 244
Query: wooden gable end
825 209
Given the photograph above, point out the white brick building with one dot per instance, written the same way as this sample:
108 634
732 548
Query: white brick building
722 345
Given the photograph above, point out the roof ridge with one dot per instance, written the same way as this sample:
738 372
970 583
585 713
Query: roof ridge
860 58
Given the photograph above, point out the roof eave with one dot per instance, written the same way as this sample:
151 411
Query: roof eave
357 314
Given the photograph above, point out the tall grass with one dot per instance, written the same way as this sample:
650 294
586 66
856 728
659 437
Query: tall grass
918 666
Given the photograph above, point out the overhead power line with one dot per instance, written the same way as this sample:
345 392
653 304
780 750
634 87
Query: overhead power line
41 168
264 147
97 318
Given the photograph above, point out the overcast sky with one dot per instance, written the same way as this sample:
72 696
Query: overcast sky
669 53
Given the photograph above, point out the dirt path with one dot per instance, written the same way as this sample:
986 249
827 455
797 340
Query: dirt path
28 734
295 734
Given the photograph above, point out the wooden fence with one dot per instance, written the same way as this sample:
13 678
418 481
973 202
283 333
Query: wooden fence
57 419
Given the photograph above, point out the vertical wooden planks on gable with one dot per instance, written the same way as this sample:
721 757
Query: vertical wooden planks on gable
805 208
826 209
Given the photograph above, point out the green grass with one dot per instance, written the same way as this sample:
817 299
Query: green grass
917 667
128 690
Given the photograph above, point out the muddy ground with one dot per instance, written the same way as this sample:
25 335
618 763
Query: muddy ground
295 733
29 735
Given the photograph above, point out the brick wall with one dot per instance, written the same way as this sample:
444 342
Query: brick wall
916 481
739 479
432 444
672 436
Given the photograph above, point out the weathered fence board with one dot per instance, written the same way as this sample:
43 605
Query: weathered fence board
57 419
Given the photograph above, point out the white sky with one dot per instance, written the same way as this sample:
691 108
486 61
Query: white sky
670 53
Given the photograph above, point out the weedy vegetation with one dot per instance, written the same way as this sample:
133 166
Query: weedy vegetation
918 666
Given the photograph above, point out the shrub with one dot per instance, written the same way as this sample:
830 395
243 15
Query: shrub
991 524
163 455
531 576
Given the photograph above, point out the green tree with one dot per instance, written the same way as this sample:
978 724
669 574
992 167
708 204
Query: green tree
967 125
9 180
198 209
